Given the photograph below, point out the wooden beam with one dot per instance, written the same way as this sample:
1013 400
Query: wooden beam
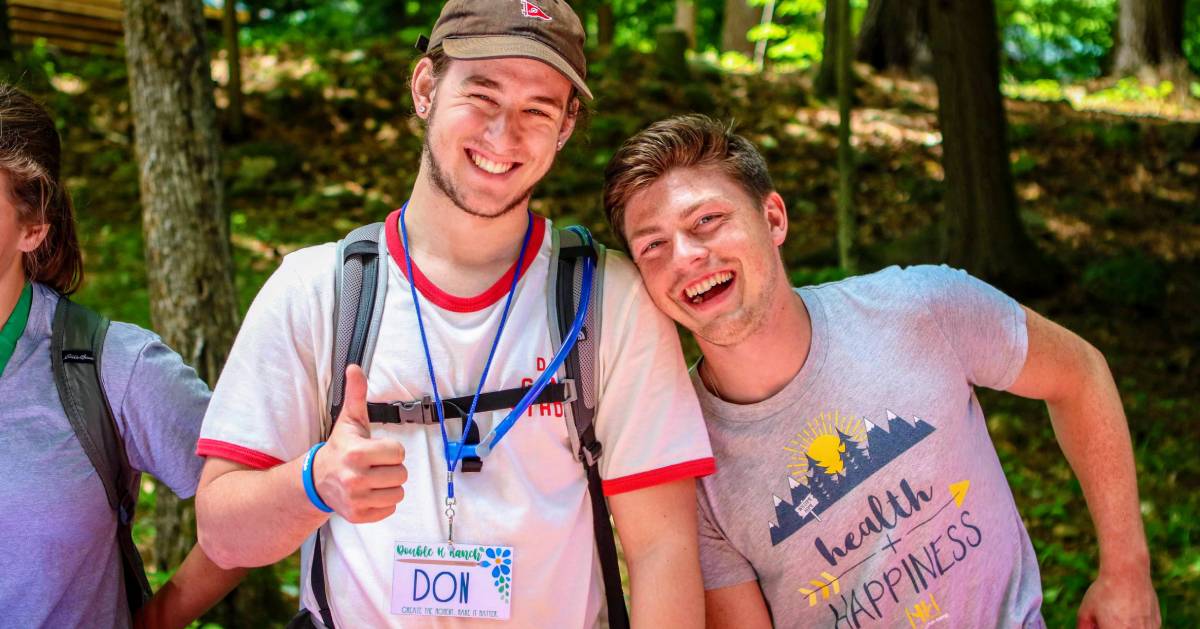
54 17
110 9
47 30
66 44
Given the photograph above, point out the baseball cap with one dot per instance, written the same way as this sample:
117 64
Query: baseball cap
546 30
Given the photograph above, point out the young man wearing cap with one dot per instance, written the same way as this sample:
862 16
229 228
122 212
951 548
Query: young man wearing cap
857 484
497 91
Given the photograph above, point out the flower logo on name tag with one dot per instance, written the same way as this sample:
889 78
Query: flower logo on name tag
500 561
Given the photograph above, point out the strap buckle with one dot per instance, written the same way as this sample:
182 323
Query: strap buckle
569 393
591 451
416 411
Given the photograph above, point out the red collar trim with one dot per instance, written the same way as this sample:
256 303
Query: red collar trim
454 303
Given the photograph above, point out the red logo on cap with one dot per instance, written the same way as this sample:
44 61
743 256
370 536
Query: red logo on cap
529 9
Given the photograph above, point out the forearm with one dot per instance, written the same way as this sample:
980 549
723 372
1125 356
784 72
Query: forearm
195 587
665 587
1092 430
253 518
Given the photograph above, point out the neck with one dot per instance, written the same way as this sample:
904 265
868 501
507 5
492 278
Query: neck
12 281
761 365
439 230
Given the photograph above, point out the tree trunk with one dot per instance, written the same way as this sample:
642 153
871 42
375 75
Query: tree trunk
189 267
760 46
982 231
825 85
1150 41
895 36
685 19
845 209
233 53
605 25
6 45
740 17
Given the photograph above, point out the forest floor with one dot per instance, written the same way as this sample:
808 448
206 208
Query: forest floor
1113 195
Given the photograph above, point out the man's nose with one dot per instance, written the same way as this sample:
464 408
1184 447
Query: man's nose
502 130
689 249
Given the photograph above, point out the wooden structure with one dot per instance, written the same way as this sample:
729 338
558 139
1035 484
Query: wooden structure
84 26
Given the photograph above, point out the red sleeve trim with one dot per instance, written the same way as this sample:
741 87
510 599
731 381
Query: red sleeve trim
237 454
642 480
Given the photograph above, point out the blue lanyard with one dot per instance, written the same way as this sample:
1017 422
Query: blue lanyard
454 450
488 442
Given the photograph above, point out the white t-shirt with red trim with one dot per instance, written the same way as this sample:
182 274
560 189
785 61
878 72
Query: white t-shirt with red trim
271 406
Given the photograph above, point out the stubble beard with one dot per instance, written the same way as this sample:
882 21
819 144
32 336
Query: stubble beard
443 183
739 326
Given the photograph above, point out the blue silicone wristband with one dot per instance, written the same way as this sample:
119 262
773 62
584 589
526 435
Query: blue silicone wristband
310 487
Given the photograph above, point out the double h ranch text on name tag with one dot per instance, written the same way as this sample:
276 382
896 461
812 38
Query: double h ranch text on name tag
459 581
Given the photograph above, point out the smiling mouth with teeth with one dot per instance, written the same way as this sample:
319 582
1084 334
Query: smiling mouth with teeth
487 165
709 287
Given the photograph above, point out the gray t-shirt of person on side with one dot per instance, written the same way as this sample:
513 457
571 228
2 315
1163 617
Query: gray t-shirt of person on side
57 533
867 493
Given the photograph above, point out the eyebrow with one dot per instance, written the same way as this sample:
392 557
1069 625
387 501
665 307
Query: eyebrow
484 82
687 211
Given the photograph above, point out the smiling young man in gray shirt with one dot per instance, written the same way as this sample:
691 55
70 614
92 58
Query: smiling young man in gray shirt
856 484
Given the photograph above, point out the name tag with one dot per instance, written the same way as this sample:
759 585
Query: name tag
459 581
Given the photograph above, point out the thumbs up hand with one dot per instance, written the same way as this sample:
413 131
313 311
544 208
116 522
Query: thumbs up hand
360 478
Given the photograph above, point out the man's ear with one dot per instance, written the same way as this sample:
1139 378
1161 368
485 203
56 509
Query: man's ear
423 84
775 211
32 237
569 121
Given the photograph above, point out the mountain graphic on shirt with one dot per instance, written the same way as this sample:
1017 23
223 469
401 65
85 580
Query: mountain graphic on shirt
835 462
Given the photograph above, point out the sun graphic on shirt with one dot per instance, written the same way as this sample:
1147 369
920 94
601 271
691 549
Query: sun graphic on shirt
820 442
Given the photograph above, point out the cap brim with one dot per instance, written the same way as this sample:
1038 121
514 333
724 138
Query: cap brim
496 46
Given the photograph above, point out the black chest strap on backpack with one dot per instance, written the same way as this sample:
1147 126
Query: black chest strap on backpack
77 341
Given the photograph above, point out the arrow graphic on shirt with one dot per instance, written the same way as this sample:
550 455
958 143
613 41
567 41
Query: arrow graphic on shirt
822 587
959 491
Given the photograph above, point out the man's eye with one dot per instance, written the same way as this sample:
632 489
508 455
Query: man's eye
486 99
654 244
537 112
708 218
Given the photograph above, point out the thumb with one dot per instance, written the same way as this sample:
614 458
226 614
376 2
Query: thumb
354 403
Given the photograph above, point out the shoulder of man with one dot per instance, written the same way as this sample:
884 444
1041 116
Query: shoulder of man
893 282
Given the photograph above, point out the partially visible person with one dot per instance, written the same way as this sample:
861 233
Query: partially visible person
857 485
63 566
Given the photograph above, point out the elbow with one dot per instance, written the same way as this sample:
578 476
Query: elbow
214 545
218 553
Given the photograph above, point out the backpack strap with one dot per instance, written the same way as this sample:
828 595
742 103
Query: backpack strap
359 294
571 247
360 291
77 341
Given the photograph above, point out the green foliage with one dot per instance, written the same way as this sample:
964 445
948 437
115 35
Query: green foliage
1132 280
1191 35
1059 39
1131 89
795 34
636 22
811 276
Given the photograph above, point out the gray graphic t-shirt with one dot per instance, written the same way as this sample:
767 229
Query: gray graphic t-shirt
867 493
